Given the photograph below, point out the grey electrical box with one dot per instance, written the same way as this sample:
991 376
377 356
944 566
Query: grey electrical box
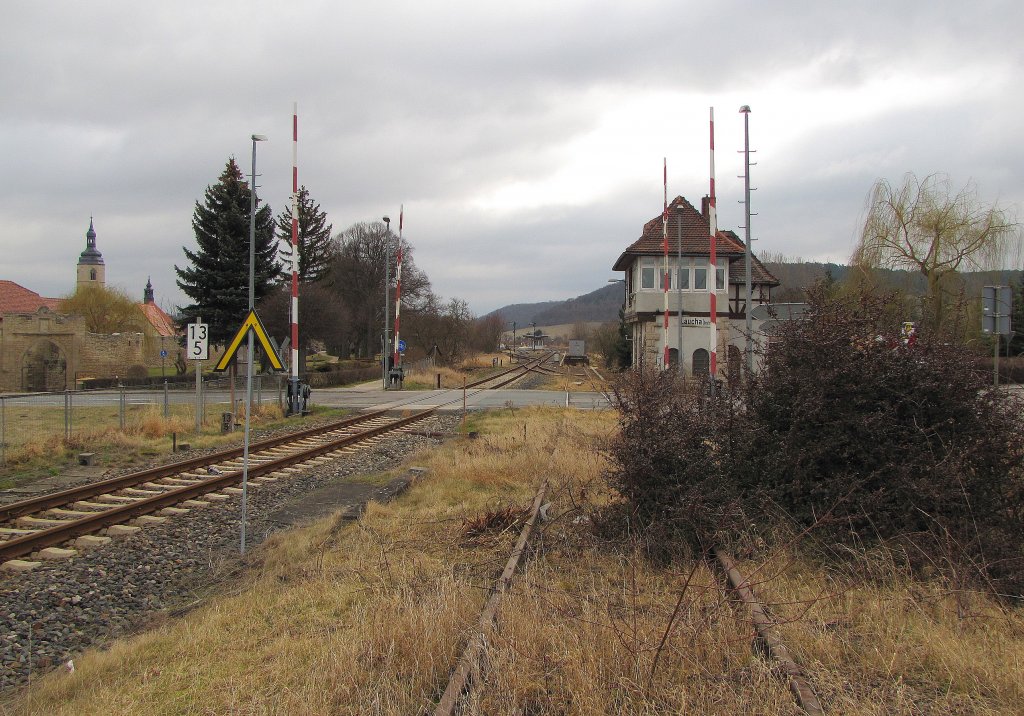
996 306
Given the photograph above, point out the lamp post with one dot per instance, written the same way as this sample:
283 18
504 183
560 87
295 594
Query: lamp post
512 352
252 302
387 279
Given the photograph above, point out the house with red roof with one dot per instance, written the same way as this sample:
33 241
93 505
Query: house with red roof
42 348
689 274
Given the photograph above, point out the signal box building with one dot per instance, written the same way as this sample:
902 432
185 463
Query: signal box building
643 265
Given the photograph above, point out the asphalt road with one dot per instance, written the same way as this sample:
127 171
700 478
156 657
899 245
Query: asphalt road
361 397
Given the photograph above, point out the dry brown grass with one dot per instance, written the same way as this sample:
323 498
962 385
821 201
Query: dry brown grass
370 618
36 444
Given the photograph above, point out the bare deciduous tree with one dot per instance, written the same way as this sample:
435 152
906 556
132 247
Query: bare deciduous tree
923 225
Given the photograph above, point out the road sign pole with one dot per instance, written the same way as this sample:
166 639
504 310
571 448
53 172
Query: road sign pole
199 397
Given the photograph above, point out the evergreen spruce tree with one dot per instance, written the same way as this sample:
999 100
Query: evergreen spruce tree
314 239
217 280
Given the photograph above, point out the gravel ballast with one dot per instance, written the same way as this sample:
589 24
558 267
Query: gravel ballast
62 607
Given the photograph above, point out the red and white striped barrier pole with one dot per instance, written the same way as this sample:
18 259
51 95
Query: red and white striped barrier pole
665 273
295 405
398 287
713 262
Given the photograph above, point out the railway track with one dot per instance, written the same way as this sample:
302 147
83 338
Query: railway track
35 524
56 518
511 375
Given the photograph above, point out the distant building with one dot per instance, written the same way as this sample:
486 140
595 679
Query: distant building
644 302
91 270
42 348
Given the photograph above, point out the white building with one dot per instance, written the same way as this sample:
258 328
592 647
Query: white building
643 263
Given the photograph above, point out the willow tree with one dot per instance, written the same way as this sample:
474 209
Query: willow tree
923 225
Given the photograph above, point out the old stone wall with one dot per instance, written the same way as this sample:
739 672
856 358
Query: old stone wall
40 342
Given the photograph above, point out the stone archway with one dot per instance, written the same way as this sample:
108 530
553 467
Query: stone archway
44 367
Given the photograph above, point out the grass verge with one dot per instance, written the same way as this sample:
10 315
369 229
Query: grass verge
369 618
40 451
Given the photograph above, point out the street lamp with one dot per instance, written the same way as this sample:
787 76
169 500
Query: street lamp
511 352
387 279
252 301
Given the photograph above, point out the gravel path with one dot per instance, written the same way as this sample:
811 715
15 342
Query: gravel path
50 614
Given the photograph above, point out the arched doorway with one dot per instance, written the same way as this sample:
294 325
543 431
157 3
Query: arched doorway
673 358
701 363
44 367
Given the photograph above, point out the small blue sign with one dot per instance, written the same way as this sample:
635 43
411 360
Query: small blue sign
401 346
163 354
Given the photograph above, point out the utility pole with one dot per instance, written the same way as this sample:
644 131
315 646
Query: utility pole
384 353
745 111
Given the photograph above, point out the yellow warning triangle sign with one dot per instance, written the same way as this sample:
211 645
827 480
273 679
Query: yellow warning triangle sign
252 323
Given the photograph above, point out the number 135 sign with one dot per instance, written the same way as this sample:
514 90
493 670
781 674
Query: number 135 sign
198 341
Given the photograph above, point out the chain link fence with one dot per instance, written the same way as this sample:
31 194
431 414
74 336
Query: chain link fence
41 421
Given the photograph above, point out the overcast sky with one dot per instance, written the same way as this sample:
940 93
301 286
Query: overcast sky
525 139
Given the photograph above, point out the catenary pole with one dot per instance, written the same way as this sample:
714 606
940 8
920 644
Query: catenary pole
252 303
713 264
745 111
665 272
294 408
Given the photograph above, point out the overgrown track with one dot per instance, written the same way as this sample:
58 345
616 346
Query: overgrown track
123 498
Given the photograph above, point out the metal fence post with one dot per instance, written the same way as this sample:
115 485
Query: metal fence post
67 414
3 431
259 390
167 407
280 398
120 405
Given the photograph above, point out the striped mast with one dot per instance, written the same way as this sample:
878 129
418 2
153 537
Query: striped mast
665 274
398 287
294 379
713 261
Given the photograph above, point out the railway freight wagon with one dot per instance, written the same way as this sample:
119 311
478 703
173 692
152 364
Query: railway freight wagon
577 353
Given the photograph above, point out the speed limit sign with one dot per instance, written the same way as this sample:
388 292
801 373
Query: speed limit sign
198 341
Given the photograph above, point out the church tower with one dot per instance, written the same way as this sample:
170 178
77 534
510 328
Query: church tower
90 263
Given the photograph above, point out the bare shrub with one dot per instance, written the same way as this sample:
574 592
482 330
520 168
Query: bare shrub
887 439
672 458
137 372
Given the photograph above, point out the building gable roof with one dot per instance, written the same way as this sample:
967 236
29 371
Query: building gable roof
696 235
15 298
161 322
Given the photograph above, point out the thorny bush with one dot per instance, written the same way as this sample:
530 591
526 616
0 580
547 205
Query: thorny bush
671 459
848 429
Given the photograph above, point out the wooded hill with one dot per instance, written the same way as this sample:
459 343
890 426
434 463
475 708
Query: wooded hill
604 303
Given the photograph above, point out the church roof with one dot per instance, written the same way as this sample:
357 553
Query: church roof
91 255
161 322
15 298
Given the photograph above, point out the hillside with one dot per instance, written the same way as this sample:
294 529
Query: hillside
603 304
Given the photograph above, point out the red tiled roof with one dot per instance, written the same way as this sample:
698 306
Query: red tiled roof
163 323
696 235
15 298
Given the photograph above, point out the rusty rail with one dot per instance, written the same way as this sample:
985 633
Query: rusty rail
469 663
769 636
